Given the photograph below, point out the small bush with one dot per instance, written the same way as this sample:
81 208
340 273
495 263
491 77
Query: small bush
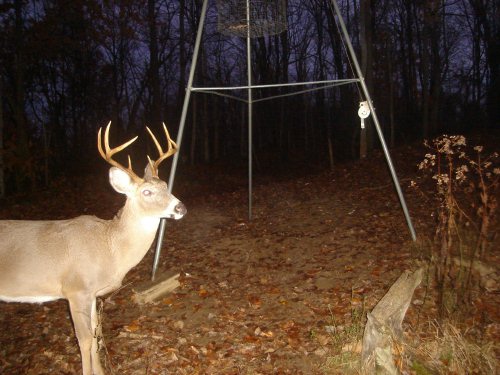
463 192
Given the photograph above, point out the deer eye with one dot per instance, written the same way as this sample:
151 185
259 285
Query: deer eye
147 192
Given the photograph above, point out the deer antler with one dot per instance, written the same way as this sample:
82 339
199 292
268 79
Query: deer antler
172 149
109 152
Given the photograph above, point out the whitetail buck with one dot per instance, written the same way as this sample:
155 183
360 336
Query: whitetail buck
86 257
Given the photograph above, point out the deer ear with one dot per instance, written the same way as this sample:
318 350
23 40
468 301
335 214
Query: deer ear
148 172
121 180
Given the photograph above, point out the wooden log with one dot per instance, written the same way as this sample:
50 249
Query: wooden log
150 292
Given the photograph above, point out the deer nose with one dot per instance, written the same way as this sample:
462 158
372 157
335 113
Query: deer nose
180 209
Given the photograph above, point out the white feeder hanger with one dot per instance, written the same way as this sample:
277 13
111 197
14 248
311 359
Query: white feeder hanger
363 112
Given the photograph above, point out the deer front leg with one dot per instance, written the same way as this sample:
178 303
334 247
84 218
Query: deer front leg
84 314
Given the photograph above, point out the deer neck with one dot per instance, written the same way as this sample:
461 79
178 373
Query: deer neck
131 235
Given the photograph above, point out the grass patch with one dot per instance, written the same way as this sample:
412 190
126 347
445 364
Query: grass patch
345 341
450 352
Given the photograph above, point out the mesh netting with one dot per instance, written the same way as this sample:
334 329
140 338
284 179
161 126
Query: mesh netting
267 17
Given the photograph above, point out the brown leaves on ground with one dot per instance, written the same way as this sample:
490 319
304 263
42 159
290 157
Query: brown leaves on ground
269 296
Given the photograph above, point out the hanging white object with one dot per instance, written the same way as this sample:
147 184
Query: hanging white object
363 112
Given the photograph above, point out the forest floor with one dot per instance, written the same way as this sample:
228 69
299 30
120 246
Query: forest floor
284 293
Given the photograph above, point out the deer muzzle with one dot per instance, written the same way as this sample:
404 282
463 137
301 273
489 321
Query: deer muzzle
179 210
175 210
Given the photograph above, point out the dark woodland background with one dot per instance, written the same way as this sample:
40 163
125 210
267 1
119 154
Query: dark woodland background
69 67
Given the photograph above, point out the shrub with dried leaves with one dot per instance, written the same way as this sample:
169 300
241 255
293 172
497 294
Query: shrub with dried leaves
465 206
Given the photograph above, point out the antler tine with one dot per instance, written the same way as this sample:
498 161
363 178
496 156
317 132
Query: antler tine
172 149
108 152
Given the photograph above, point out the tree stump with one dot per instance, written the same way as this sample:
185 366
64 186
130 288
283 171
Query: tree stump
384 326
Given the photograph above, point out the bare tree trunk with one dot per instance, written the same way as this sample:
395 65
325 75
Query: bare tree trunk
322 74
282 130
206 131
243 131
216 127
330 146
284 126
408 68
487 17
425 72
194 130
425 89
182 53
46 153
391 94
25 169
154 67
2 166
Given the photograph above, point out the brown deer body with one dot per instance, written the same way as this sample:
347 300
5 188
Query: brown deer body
86 257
